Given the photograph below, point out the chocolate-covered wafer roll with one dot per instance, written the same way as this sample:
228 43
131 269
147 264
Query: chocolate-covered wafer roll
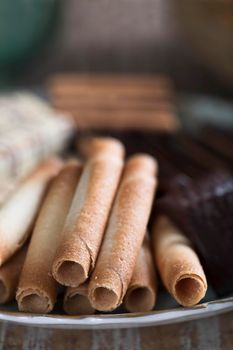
37 290
19 212
124 234
9 275
76 301
88 215
141 293
178 264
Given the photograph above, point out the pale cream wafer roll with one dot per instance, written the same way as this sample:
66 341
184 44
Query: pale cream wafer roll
124 234
37 290
88 215
141 293
19 212
9 275
76 301
7 188
178 264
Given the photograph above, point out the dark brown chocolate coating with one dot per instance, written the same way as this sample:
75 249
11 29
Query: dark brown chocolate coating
203 209
218 141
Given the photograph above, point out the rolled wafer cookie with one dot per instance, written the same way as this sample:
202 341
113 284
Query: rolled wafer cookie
124 234
37 290
88 215
9 275
141 293
178 264
18 214
76 301
7 188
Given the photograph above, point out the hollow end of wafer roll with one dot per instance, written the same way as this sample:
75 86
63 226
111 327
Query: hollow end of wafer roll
139 299
70 273
77 303
34 301
178 263
142 290
189 289
73 271
107 295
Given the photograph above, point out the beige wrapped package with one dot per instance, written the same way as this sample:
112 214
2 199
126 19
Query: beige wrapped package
9 275
178 264
18 214
37 289
76 301
141 293
124 234
30 131
88 215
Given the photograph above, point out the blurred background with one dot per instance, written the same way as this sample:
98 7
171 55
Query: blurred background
191 41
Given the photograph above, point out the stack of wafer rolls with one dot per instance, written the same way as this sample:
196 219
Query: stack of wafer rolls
124 234
141 293
37 290
76 301
178 264
19 212
88 215
9 275
90 236
108 88
118 102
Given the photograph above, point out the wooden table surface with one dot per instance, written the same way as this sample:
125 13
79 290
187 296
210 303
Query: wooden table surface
215 333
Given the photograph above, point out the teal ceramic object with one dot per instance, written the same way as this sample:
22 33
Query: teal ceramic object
24 26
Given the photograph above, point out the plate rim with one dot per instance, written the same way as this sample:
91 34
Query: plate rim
108 321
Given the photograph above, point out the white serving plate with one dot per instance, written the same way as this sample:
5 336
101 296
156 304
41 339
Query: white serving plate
167 312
